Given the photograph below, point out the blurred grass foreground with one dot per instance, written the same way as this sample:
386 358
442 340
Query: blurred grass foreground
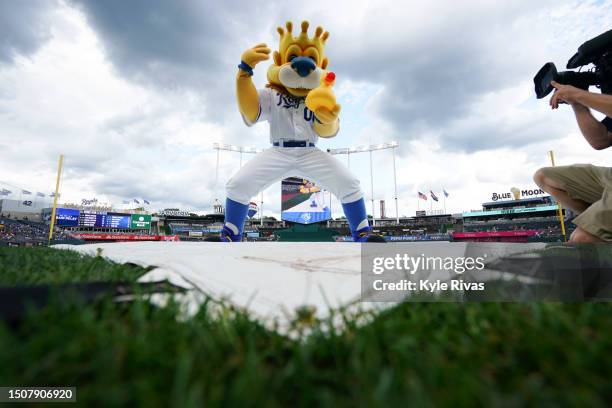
422 354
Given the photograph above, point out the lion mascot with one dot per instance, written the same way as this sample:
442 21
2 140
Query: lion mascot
300 106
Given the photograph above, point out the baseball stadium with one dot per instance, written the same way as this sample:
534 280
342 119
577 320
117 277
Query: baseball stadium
220 204
265 289
305 217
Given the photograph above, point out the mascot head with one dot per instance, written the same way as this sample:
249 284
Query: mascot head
300 61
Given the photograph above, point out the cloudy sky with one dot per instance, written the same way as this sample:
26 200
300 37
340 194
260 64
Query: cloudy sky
134 93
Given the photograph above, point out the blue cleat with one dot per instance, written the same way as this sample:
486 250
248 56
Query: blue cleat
235 214
366 235
226 236
358 222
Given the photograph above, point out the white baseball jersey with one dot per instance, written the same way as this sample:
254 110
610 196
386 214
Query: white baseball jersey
290 119
288 116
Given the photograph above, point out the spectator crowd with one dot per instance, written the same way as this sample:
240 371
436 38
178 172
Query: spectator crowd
18 231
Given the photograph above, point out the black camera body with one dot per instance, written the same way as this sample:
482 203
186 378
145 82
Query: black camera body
596 51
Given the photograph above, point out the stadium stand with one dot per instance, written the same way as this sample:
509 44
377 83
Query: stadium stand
21 232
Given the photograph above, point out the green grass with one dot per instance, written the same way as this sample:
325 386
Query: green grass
31 266
416 353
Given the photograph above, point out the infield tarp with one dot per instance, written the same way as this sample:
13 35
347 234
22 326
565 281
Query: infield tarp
273 279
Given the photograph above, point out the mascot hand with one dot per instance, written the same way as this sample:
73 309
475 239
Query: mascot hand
327 116
255 55
322 100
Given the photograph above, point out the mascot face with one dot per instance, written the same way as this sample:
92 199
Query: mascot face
300 62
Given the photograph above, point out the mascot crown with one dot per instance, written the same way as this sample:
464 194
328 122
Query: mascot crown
287 38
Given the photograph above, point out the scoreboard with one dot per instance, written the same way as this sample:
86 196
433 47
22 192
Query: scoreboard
116 220
104 220
69 217
303 202
89 219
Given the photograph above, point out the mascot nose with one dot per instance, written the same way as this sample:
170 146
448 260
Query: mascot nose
303 65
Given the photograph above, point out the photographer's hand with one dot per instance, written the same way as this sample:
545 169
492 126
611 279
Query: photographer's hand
582 101
575 96
565 93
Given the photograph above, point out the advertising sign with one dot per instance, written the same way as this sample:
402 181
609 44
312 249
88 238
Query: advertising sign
66 217
140 221
516 194
539 208
525 233
252 209
303 202
124 237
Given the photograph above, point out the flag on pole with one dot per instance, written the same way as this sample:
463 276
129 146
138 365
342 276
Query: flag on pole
445 192
136 201
422 196
433 196
145 201
26 192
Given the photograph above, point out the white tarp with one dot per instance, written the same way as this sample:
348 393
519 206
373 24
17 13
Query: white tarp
271 279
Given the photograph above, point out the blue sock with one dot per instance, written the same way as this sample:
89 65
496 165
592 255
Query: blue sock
235 214
357 217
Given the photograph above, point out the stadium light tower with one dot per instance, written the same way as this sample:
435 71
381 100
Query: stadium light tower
344 150
240 149
370 148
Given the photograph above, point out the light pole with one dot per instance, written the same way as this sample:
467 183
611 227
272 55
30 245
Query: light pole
395 187
217 173
232 148
372 190
370 148
240 149
345 150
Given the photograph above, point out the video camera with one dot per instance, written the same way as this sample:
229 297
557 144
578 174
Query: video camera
596 51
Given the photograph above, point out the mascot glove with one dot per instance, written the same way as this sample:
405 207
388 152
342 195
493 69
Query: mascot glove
325 116
255 55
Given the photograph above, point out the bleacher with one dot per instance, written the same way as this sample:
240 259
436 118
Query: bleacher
21 232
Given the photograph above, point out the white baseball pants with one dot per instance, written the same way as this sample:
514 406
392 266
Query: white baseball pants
277 163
